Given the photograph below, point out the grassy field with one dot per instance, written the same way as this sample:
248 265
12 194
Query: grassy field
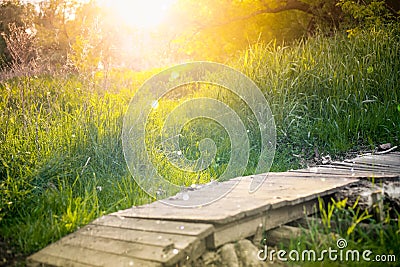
60 144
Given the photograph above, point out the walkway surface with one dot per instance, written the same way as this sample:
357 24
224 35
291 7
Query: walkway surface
163 235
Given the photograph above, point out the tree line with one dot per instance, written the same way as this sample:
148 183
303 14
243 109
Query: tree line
82 36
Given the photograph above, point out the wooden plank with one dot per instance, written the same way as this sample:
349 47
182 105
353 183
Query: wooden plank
271 184
162 254
79 255
372 168
269 219
388 159
141 237
375 161
159 226
151 246
329 170
380 161
148 240
377 165
190 254
230 208
356 168
273 195
213 213
236 206
42 259
392 155
311 173
348 172
372 172
342 173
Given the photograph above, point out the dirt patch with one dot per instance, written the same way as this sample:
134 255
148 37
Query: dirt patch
9 255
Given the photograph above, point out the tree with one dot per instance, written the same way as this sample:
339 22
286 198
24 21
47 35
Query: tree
47 25
369 13
323 10
216 28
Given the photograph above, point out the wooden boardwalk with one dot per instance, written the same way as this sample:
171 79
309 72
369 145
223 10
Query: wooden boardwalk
162 235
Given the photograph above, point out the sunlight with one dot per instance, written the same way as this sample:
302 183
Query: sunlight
141 14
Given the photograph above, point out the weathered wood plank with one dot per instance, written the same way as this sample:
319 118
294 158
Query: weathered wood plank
227 209
372 168
162 240
162 254
159 244
79 255
380 161
272 182
270 219
389 156
159 226
373 173
140 237
332 169
374 162
42 259
312 173
348 172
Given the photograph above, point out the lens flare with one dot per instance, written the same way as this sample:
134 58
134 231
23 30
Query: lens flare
138 13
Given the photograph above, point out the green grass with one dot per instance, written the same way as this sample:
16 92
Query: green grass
62 162
355 225
335 93
60 143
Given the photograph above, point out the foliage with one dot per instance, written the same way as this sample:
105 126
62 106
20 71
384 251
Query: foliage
357 227
55 30
53 26
85 55
95 43
82 33
218 29
346 218
334 94
20 44
16 14
367 14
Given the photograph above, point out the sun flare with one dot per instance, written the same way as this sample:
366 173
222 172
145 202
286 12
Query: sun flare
141 14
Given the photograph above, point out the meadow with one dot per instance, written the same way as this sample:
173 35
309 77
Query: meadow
61 155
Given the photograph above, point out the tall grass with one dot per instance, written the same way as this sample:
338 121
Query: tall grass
61 154
334 93
61 157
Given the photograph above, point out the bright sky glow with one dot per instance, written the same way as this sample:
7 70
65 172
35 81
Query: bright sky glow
141 14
